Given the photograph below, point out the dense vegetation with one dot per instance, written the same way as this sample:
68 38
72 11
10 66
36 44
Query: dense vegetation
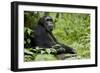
72 29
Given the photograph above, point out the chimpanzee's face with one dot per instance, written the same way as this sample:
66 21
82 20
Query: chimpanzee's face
48 23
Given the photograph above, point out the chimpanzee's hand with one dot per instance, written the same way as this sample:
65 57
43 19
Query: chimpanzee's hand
59 48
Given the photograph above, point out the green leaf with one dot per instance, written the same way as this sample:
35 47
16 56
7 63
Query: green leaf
42 52
27 52
28 40
53 50
48 51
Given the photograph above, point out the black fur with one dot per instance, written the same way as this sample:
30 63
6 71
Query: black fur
45 39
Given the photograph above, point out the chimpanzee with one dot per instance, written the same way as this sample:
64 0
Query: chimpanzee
44 38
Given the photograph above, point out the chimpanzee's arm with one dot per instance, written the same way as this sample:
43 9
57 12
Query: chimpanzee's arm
63 48
54 38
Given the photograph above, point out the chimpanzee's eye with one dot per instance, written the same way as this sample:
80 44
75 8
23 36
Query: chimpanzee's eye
49 20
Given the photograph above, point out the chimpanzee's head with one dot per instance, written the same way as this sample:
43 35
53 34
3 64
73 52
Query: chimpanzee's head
46 22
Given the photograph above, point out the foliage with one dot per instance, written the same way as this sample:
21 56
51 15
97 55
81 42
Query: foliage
28 35
72 29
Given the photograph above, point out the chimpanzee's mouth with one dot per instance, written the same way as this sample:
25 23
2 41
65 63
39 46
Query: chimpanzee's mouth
50 28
